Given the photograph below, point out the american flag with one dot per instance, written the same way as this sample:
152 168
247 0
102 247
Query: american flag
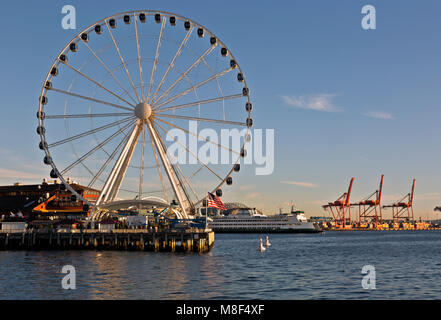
215 202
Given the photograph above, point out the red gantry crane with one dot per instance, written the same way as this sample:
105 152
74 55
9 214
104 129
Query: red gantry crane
341 209
369 209
402 209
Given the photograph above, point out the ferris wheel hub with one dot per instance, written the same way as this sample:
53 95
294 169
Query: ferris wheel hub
143 110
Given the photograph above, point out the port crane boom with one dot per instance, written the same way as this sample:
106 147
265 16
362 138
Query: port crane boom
369 209
402 210
341 209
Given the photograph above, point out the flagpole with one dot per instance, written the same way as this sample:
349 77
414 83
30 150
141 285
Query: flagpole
206 212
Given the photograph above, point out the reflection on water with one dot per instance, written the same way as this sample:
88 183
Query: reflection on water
320 266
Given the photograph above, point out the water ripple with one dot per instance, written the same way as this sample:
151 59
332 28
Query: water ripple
324 266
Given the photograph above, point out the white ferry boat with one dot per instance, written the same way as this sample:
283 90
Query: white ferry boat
247 220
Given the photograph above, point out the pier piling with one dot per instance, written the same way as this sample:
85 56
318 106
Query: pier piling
121 239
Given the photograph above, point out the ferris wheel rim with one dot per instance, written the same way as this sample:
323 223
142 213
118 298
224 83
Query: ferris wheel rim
77 39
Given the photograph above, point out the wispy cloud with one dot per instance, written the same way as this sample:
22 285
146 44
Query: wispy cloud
253 195
379 115
18 175
428 196
418 197
317 102
300 184
247 187
318 202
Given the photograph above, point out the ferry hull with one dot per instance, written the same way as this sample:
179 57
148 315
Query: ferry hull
264 230
248 221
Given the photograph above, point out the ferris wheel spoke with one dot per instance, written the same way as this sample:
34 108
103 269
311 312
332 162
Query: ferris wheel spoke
187 182
155 62
174 166
141 174
98 84
172 63
92 151
197 136
176 183
139 57
196 172
91 99
111 157
182 173
175 116
219 87
87 168
87 133
200 84
106 163
87 115
182 76
114 180
110 72
195 156
159 168
122 60
196 103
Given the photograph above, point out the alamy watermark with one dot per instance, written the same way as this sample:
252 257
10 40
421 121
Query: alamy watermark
69 281
369 20
69 20
368 282
207 147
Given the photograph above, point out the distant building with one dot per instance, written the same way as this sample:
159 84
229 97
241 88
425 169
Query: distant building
236 207
46 199
231 208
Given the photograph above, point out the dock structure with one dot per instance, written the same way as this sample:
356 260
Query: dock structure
402 210
117 239
341 209
369 209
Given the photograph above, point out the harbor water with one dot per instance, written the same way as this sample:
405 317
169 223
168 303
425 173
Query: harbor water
296 266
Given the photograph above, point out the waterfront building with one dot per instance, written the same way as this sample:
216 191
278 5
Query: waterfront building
48 199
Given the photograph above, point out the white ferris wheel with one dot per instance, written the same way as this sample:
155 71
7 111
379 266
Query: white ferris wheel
119 87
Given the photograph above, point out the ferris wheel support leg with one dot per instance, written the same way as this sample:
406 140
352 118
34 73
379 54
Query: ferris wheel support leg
120 175
184 202
113 182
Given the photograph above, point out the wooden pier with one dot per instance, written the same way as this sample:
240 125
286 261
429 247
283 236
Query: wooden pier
118 239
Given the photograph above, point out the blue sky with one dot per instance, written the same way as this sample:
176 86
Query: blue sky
377 91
